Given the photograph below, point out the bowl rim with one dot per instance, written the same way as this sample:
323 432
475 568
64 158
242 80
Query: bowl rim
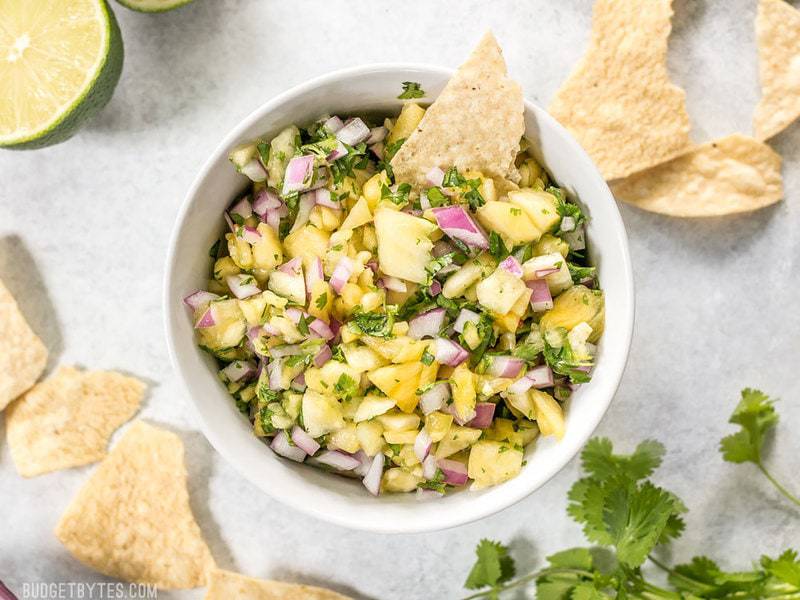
456 517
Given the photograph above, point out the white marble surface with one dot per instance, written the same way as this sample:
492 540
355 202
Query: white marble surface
84 228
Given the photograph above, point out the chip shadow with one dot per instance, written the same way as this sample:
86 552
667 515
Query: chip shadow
22 277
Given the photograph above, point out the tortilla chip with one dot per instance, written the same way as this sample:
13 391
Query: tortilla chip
476 123
224 585
132 519
778 33
731 175
23 356
619 102
67 420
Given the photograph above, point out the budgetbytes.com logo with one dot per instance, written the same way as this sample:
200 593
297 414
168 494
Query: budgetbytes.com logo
73 590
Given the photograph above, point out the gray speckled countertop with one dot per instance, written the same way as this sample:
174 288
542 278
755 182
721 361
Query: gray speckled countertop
84 229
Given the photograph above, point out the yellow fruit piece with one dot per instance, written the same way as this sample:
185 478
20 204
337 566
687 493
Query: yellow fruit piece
398 422
240 251
523 403
437 425
406 123
359 215
510 221
404 245
321 300
323 379
372 406
399 382
456 439
398 349
462 385
351 296
399 480
491 463
540 207
500 291
267 252
225 267
549 415
362 358
576 305
308 242
321 414
370 437
372 189
400 437
345 439
550 244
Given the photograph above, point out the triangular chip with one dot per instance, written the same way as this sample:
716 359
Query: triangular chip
619 102
132 519
23 356
475 123
778 33
731 175
224 585
67 420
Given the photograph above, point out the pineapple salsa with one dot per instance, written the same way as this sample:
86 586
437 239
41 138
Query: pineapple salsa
414 337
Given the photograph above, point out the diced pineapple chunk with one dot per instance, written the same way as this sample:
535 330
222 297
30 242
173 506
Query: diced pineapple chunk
491 463
370 437
224 268
398 421
578 304
345 439
240 251
399 480
500 291
549 415
372 406
362 358
541 207
509 221
462 385
308 242
229 329
321 414
456 439
323 379
400 437
437 425
254 310
406 123
291 286
549 244
398 349
399 382
267 252
404 245
359 215
372 189
523 403
321 300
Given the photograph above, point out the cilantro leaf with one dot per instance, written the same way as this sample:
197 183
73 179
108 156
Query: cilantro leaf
785 568
493 567
322 300
411 89
371 323
436 197
756 415
497 248
574 558
345 386
399 196
599 460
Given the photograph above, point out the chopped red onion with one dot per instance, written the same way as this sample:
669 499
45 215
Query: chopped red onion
455 473
451 409
364 463
424 201
321 328
449 353
229 221
541 300
377 134
484 413
299 383
464 317
520 386
314 274
273 219
333 124
274 369
541 376
424 494
292 267
323 197
341 274
512 266
254 170
568 224
576 239
542 273
338 460
323 356
435 177
372 480
243 208
239 370
505 366
339 152
207 320
422 445
435 287
197 298
266 200
250 235
393 283
428 324
304 441
434 398
243 286
429 467
304 207
299 174
285 350
456 222
280 445
353 133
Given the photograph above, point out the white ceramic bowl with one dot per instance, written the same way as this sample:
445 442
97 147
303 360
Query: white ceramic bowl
337 499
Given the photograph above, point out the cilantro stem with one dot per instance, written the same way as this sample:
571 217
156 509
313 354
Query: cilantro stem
791 497
527 579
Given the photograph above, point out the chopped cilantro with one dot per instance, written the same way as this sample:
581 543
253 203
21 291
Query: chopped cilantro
322 300
411 89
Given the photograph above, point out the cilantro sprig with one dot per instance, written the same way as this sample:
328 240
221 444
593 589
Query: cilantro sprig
629 516
411 89
755 414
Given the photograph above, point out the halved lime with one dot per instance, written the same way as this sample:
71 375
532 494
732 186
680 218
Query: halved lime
59 63
153 5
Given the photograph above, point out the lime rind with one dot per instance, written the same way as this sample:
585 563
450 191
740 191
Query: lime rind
95 95
153 6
